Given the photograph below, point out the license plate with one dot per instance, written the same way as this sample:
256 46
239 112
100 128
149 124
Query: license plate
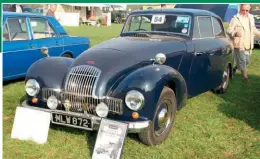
72 121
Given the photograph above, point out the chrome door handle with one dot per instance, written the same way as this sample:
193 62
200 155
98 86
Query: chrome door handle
58 43
32 45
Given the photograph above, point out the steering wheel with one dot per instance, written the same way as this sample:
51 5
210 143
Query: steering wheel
140 30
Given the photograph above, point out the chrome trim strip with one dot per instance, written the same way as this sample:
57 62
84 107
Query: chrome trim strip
39 48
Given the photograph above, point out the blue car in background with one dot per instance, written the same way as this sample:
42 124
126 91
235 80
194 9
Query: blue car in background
26 35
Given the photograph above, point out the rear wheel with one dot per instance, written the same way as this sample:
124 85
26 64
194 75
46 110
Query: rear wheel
163 119
225 82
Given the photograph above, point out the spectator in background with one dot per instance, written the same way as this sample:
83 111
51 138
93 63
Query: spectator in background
17 8
242 30
163 6
51 11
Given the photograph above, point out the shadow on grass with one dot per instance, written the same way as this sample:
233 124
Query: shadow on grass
23 98
13 81
242 101
90 136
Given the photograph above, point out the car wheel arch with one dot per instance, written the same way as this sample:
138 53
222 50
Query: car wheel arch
167 76
67 53
178 85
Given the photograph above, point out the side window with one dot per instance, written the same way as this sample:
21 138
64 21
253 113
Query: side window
41 29
18 29
218 30
6 33
196 31
205 26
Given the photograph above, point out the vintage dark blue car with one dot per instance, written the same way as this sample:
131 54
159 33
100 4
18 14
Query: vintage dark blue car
161 58
25 35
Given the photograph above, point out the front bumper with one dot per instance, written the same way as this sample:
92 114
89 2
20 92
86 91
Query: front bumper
133 127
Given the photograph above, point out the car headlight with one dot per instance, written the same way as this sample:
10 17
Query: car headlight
134 100
32 87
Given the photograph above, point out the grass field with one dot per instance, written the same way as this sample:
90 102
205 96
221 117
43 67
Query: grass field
210 126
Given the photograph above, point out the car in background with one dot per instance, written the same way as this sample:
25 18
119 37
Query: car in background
26 35
256 14
118 16
161 58
27 9
38 11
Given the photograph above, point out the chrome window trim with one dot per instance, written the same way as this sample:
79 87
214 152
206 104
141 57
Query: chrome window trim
46 21
173 33
221 26
27 28
213 37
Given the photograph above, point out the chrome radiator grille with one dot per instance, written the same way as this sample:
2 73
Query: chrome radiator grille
79 90
80 86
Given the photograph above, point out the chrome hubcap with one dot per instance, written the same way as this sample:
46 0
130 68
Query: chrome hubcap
225 77
163 119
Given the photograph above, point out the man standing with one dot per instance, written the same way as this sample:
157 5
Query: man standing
17 8
163 6
242 31
51 11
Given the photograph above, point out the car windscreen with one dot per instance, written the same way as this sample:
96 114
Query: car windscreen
166 23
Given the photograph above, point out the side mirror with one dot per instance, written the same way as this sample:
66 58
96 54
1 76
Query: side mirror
160 58
45 51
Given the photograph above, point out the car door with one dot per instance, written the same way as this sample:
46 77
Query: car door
218 54
16 51
203 38
44 35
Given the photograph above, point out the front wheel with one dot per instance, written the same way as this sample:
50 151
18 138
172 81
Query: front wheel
163 119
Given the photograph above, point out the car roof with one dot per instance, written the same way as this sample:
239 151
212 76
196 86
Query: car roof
6 13
192 12
255 12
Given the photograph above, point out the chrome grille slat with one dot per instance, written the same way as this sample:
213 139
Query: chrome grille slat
88 90
80 89
91 88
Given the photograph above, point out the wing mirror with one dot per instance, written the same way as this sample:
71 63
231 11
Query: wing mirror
45 51
159 58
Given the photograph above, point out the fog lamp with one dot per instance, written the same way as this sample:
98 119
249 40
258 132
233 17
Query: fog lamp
52 102
102 110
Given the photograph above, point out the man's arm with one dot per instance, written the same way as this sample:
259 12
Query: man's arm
231 27
255 30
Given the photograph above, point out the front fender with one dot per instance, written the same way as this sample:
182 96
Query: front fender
50 72
150 80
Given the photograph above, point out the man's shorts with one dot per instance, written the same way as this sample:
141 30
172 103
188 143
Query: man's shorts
242 59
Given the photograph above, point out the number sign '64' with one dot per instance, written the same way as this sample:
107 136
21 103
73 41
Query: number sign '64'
158 19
